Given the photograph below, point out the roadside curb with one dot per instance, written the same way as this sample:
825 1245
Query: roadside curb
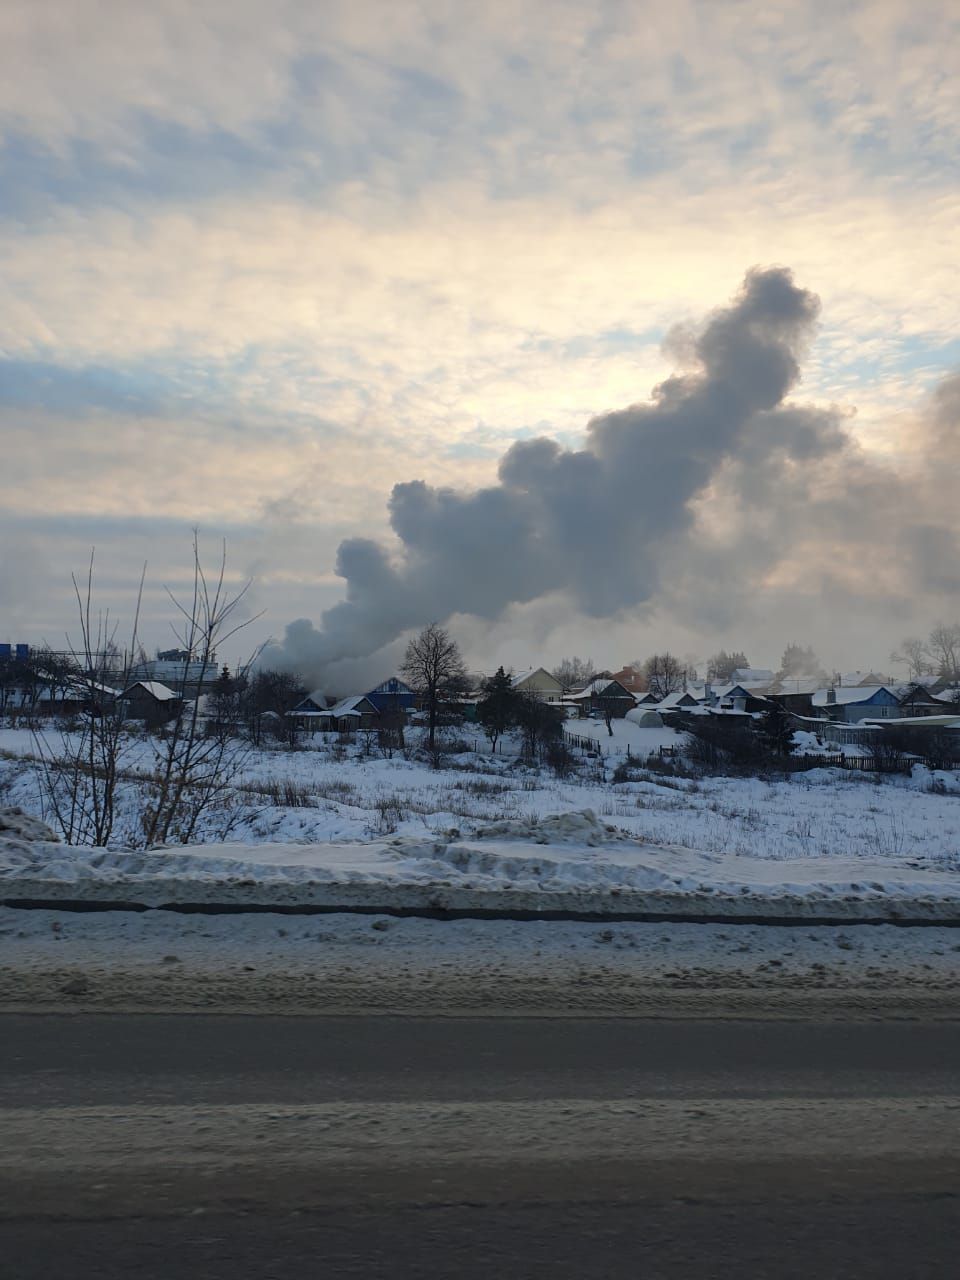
441 903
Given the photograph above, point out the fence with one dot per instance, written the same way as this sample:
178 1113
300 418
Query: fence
610 747
794 764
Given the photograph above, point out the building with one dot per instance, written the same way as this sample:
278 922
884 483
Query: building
319 714
392 695
796 695
632 679
917 700
540 683
604 697
188 677
856 702
14 652
150 701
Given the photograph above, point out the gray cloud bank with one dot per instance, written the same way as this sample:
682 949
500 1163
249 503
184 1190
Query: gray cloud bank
688 501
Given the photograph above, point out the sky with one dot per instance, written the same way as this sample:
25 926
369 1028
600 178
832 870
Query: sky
262 263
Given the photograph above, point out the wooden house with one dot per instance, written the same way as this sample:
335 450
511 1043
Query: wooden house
540 683
604 697
151 702
855 703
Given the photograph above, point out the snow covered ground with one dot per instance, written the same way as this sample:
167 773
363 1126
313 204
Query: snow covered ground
570 862
157 960
312 795
324 827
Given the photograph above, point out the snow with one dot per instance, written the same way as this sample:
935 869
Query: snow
570 862
628 736
844 696
328 817
293 963
154 688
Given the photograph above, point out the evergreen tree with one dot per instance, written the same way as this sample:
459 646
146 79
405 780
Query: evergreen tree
776 731
499 708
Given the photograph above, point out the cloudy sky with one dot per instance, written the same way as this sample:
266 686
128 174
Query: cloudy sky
260 263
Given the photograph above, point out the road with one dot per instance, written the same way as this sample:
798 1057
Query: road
247 1147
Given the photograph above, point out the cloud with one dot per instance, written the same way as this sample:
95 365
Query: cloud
698 500
259 262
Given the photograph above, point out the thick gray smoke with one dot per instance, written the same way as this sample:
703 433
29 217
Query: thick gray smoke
602 524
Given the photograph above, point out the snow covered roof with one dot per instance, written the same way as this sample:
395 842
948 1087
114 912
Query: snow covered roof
847 695
519 677
676 699
596 687
350 706
154 688
916 722
732 691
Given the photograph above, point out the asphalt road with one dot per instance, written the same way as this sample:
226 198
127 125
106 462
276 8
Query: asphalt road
239 1147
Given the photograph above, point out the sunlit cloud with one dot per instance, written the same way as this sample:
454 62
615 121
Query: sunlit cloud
259 263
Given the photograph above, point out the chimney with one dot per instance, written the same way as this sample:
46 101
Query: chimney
831 697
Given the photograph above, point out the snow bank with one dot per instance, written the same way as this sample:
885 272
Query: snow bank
566 863
560 828
19 829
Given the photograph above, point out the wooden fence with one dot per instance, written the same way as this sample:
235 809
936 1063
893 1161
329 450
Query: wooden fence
793 764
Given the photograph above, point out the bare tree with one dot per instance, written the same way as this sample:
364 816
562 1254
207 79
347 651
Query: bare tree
665 674
800 661
433 668
722 665
944 646
915 655
265 699
573 673
80 776
196 759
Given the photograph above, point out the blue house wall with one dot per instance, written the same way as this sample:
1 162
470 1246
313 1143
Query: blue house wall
871 707
392 695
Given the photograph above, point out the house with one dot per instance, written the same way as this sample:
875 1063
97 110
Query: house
540 683
351 714
861 679
679 700
311 714
317 714
632 679
796 695
857 702
392 695
917 700
187 676
150 701
736 697
605 697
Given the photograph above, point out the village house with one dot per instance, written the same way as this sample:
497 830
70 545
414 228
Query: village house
386 706
632 679
917 700
540 683
392 696
604 697
855 703
151 702
796 695
318 714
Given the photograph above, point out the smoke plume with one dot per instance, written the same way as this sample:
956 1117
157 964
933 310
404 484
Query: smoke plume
716 463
